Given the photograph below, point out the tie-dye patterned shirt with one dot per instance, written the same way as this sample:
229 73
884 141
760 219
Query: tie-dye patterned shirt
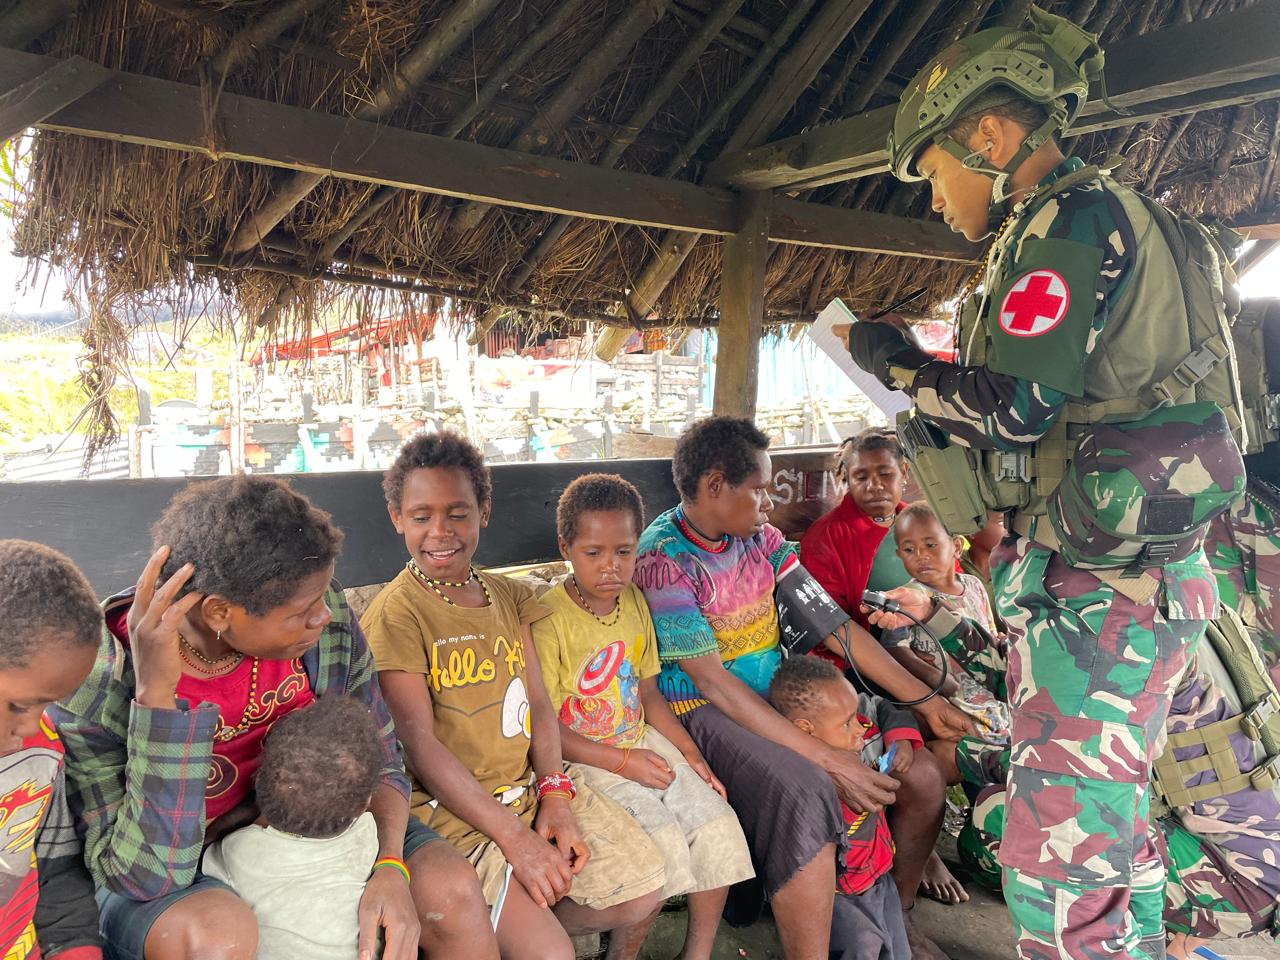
711 601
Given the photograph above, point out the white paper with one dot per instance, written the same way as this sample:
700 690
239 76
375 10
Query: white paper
890 402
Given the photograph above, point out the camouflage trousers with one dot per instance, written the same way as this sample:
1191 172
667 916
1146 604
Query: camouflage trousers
1203 895
1091 674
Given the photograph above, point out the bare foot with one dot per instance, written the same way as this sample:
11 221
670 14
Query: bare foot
1183 947
938 883
922 948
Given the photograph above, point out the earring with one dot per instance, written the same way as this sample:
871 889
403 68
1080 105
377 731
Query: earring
218 637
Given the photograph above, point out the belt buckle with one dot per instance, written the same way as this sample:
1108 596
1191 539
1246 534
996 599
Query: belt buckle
1271 411
1256 717
1264 776
1013 466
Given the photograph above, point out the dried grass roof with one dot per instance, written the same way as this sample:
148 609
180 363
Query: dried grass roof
130 219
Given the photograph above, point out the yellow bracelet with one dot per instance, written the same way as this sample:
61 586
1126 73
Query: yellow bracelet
555 793
626 755
393 862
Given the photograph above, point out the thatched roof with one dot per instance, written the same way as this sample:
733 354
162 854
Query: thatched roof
135 219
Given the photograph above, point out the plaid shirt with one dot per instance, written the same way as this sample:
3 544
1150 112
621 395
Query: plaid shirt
136 776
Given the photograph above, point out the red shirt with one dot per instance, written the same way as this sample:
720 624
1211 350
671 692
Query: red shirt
282 687
870 853
838 549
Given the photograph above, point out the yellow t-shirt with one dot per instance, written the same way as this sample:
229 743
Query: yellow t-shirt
473 662
593 671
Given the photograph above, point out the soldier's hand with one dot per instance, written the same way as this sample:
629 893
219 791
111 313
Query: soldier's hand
862 788
875 344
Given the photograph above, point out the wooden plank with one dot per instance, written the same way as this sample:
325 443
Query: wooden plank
743 260
1226 59
61 83
146 110
1261 228
110 536
796 69
821 225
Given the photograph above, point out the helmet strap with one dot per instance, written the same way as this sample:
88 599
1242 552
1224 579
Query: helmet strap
1000 176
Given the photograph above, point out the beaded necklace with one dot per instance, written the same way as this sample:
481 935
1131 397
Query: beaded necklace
226 733
434 585
214 662
698 538
582 601
217 671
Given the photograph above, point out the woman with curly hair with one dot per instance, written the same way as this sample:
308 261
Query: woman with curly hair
235 622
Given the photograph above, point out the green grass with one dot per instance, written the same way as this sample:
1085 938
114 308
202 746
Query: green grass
40 396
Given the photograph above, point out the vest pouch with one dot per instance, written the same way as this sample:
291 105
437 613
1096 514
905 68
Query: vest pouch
1142 493
1005 481
945 474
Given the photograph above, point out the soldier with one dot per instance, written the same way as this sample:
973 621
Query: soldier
1075 323
1223 881
1243 547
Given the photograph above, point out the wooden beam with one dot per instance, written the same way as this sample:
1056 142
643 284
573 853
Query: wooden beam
450 31
1260 226
1231 58
145 110
30 18
583 81
61 83
744 258
796 69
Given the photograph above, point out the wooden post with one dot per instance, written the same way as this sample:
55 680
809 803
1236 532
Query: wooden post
742 309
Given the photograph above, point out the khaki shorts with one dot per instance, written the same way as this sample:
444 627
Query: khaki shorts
624 862
697 831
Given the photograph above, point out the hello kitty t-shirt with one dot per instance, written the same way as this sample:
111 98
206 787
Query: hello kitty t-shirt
473 662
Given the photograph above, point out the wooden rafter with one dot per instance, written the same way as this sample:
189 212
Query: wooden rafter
662 267
30 18
418 64
146 110
1228 59
63 82
591 71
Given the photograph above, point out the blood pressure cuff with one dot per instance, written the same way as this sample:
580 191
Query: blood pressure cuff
806 613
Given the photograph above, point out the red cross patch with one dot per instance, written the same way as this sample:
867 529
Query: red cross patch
1035 304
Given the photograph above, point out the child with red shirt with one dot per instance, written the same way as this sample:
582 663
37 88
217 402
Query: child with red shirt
866 921
51 626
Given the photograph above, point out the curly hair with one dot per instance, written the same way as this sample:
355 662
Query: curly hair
918 510
868 440
600 492
319 768
716 443
251 540
447 448
44 598
795 687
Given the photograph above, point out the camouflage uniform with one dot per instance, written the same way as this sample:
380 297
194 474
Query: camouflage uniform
1223 878
1243 547
1091 671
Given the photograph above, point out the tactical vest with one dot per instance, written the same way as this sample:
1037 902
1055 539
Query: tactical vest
1231 660
1256 333
1167 341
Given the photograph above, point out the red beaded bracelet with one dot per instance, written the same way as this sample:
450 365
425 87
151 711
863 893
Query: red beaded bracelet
558 783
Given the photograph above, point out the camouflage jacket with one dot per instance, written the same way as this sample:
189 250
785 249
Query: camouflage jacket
1243 547
982 408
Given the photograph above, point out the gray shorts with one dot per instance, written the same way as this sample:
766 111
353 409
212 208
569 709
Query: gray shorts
869 925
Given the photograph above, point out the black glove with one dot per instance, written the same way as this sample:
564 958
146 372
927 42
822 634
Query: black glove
874 346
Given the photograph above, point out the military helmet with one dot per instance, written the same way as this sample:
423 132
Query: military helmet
1048 60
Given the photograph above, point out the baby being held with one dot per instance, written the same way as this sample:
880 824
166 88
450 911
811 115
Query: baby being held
302 866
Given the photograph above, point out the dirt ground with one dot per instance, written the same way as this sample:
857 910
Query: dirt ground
977 930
